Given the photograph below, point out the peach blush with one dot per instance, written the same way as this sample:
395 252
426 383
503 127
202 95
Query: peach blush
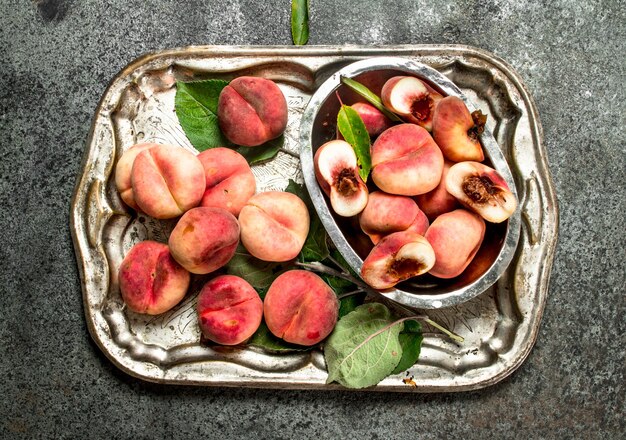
229 179
439 200
204 239
300 308
406 161
251 111
229 310
150 280
123 171
167 181
412 99
455 238
274 226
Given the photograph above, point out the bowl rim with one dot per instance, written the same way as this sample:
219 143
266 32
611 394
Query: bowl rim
492 151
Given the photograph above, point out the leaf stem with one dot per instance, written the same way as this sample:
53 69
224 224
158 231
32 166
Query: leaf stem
321 268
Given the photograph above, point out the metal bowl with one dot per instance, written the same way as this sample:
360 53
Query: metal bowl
318 125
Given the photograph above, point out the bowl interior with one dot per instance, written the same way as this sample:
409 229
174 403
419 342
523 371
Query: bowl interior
319 126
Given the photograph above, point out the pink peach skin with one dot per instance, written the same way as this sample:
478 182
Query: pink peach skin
123 172
274 225
439 200
167 181
229 180
204 239
406 161
388 213
252 111
229 310
455 237
150 280
300 308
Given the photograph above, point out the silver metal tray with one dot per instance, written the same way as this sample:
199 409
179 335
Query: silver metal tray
499 326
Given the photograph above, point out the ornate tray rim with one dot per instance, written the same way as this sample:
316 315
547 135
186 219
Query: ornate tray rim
356 52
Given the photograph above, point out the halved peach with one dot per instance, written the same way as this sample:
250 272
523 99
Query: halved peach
337 173
412 99
397 257
456 131
481 189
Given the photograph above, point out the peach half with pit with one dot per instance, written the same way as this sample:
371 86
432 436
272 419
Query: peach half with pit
406 161
300 308
274 225
457 131
412 99
251 111
229 179
397 257
150 280
229 310
337 173
481 189
204 239
167 181
389 213
455 238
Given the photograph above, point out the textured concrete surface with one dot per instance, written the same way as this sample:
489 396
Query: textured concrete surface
56 58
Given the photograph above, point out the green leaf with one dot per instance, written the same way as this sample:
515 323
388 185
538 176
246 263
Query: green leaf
315 246
262 153
196 108
371 97
258 273
411 342
264 339
300 22
350 303
300 191
353 130
364 347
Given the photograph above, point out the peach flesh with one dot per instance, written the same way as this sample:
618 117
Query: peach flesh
406 161
150 280
229 310
388 213
204 239
229 180
167 181
274 226
397 257
439 200
455 238
300 308
337 173
412 99
481 189
456 131
252 111
123 171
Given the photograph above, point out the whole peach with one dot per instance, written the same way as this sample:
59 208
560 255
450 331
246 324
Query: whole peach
388 213
123 171
229 310
406 161
204 239
455 237
150 280
167 181
274 225
229 179
439 200
251 111
300 308
457 131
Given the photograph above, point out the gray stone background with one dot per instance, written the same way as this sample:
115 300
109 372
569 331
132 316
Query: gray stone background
56 58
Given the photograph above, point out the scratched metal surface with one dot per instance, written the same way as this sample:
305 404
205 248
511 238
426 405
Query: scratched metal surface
499 326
